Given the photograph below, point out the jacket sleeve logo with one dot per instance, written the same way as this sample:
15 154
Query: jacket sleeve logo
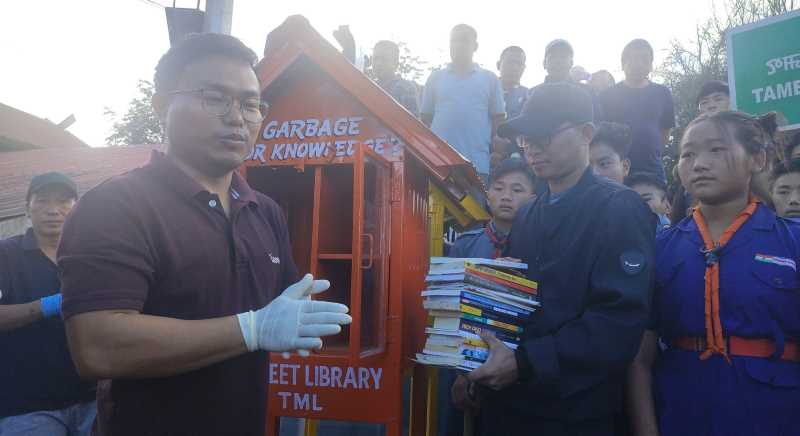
632 262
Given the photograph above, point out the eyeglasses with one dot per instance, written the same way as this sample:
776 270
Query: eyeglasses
253 110
547 139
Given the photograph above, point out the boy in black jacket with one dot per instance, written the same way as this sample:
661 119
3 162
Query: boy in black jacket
589 243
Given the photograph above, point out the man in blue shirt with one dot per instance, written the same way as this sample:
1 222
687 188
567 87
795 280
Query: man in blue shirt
463 103
40 391
644 106
589 244
511 66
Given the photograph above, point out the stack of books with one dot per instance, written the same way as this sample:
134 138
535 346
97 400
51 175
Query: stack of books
465 297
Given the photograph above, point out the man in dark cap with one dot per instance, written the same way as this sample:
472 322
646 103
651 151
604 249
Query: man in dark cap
589 244
41 392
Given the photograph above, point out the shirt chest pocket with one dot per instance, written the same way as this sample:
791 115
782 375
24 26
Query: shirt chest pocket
776 299
776 273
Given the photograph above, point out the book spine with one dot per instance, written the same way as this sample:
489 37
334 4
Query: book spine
439 305
522 281
474 360
478 328
490 314
487 301
527 291
480 344
470 365
478 309
493 323
482 282
476 353
489 284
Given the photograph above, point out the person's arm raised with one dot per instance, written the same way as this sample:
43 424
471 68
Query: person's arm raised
345 38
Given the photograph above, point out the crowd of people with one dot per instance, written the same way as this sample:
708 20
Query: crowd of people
671 310
719 326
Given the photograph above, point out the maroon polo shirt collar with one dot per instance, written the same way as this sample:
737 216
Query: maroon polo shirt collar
241 191
180 182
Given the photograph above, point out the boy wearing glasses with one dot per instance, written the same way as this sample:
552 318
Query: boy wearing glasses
172 274
589 244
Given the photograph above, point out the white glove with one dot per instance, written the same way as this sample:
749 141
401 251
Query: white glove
293 321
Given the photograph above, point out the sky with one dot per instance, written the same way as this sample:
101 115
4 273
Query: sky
63 57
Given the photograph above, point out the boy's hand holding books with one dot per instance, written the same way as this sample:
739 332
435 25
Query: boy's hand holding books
500 370
469 297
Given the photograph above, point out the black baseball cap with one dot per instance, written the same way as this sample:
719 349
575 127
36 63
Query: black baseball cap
549 106
558 43
52 178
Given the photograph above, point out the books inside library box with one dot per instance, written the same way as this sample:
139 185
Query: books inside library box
467 296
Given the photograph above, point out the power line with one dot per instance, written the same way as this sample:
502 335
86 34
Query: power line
159 5
153 3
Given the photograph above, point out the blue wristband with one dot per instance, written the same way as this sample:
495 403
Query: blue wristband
51 305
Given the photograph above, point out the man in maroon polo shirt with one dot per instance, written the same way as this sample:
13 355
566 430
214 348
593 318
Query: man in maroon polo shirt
172 274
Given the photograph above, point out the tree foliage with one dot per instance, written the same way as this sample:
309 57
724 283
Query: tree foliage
691 63
140 124
411 67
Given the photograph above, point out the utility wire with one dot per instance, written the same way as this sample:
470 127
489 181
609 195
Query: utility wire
153 3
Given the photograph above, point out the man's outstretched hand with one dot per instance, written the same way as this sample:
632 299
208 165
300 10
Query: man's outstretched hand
293 321
500 369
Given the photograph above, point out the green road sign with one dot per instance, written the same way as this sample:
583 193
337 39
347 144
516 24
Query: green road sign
764 67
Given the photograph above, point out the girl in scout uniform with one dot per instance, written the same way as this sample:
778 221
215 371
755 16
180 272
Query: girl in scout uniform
723 355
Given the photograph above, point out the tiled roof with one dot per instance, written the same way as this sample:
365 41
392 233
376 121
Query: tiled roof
24 129
87 166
